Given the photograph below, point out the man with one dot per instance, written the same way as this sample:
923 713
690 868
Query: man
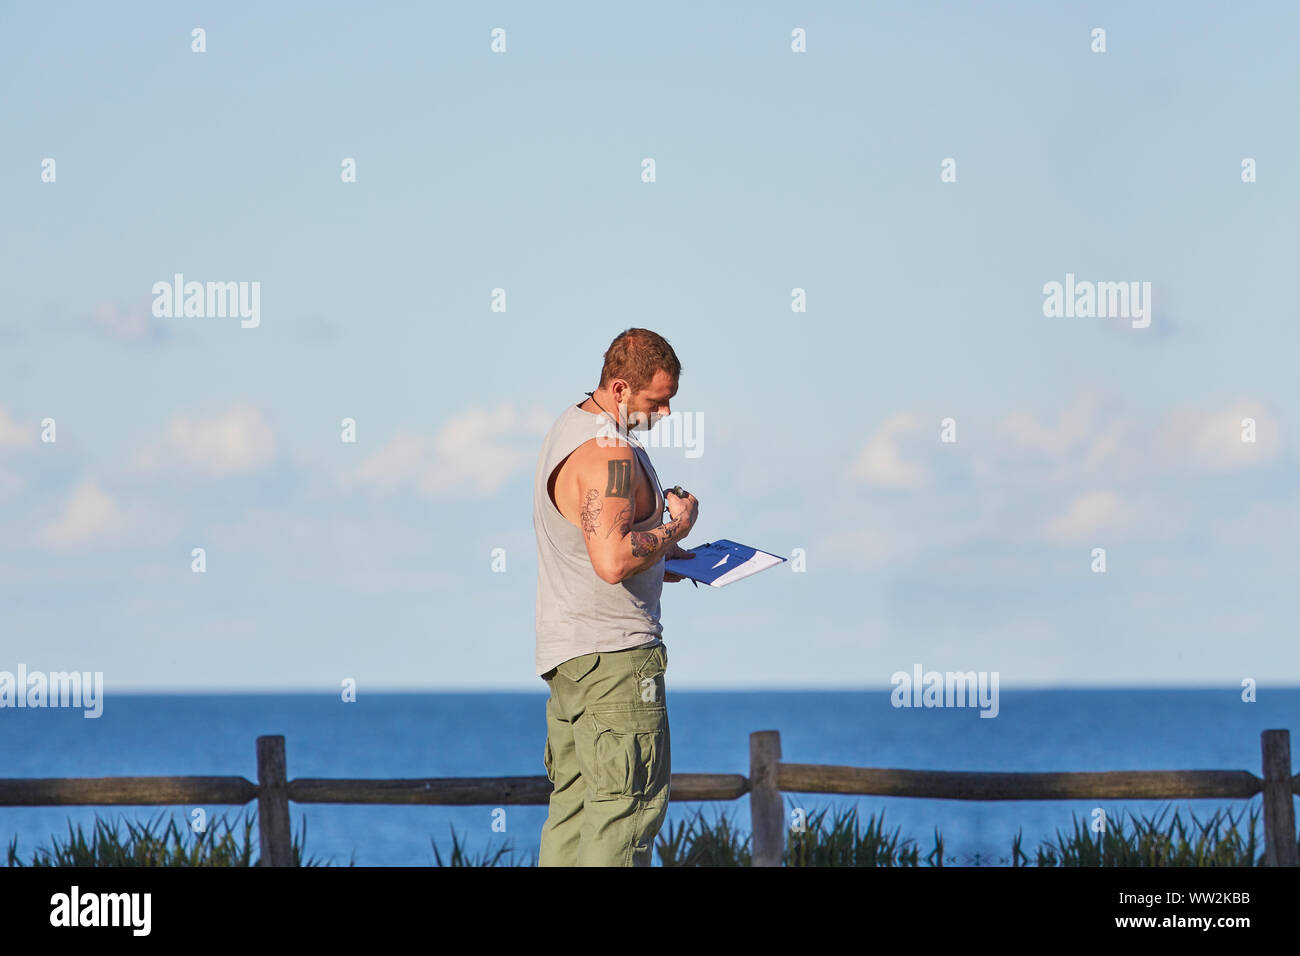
601 544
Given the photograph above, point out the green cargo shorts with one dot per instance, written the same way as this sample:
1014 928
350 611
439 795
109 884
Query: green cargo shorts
607 757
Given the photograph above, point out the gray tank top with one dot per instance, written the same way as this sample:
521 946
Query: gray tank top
577 612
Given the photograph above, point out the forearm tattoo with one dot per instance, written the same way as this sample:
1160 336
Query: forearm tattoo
645 543
591 512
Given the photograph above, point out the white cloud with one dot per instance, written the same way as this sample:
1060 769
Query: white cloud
1097 517
475 453
1091 440
236 442
1088 515
881 461
1214 440
1094 439
1074 426
1087 474
90 515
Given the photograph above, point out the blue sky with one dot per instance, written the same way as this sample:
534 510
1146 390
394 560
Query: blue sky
775 170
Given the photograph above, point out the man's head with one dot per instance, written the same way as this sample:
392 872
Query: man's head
640 377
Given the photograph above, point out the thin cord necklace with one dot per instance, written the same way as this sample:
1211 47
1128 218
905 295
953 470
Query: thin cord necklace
603 409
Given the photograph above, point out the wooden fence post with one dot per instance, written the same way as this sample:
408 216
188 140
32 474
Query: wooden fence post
766 810
1279 811
273 803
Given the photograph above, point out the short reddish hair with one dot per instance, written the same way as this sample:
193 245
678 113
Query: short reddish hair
635 355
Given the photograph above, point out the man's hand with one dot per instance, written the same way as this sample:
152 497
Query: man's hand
676 552
682 508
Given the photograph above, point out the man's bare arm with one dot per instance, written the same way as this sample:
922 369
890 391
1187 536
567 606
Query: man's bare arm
605 491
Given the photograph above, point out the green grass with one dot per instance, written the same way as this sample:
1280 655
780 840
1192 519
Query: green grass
222 843
845 843
488 858
699 843
843 840
826 837
1217 841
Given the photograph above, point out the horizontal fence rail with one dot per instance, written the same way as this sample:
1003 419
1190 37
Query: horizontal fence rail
476 791
962 785
234 791
768 778
124 791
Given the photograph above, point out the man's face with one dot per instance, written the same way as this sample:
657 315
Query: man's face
650 404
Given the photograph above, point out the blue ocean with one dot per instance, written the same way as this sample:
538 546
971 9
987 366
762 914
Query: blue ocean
490 734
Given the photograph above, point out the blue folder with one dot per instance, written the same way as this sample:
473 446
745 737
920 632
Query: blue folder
719 563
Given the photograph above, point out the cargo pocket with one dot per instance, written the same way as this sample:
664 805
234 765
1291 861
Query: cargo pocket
631 751
650 676
654 660
576 668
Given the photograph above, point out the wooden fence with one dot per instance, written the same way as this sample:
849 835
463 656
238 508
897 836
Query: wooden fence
768 778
